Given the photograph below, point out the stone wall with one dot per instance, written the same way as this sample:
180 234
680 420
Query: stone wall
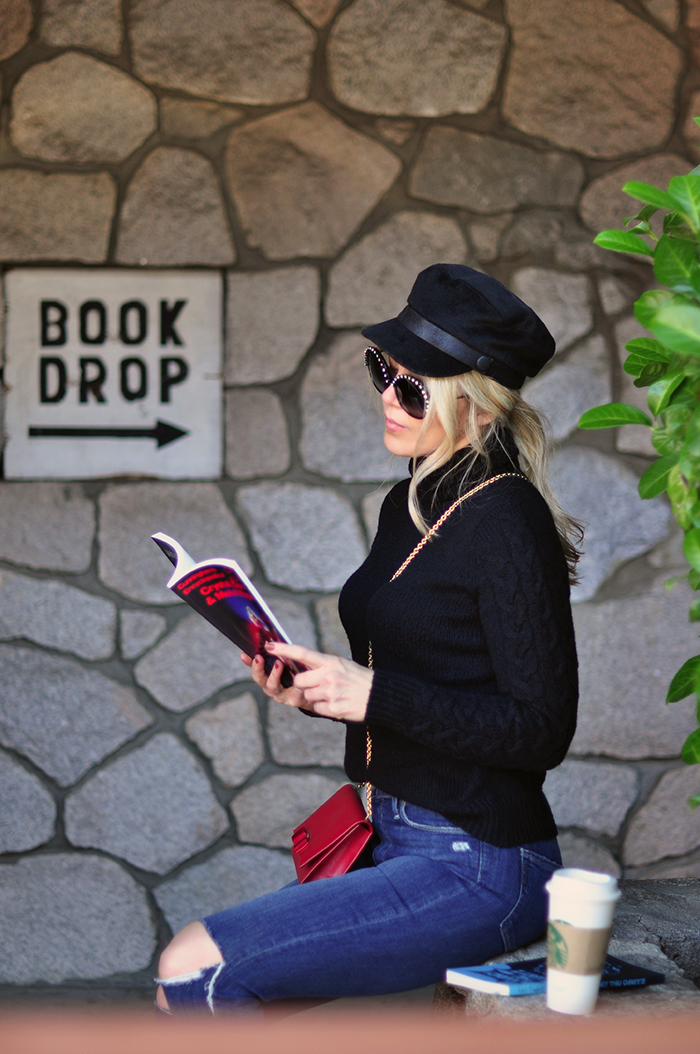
317 153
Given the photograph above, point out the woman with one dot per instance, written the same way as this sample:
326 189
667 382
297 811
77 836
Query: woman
471 695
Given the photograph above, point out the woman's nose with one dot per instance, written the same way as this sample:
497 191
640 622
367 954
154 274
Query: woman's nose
389 397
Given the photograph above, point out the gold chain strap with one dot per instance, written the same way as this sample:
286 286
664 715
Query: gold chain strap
424 540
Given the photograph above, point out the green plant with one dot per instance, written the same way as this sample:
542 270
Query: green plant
668 364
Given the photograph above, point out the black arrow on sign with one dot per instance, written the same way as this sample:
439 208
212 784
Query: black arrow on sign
163 433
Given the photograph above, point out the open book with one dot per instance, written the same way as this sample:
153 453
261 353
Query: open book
222 593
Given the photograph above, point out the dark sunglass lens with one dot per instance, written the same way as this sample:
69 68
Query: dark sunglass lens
410 397
378 370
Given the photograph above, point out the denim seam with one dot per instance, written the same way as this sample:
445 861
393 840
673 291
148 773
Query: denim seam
512 911
448 829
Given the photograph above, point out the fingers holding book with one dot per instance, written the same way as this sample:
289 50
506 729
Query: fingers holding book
330 686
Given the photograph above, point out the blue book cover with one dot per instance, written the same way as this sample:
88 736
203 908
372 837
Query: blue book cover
529 976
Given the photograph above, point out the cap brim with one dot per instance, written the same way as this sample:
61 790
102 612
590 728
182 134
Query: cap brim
411 351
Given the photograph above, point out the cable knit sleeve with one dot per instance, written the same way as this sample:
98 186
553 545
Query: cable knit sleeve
521 713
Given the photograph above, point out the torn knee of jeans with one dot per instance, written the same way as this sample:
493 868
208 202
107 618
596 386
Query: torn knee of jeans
183 978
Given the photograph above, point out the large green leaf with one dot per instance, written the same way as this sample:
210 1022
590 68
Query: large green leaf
651 373
685 193
691 547
661 392
650 194
677 324
613 414
655 478
648 304
675 262
623 242
642 352
685 681
691 748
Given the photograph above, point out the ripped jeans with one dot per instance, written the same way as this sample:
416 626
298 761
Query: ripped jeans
436 898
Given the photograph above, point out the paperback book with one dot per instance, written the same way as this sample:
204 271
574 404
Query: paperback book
221 592
529 976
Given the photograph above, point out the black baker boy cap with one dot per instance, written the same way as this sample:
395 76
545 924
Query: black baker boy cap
459 319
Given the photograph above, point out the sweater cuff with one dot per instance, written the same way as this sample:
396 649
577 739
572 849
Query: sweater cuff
391 700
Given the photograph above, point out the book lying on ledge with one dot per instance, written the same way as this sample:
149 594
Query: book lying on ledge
221 592
529 976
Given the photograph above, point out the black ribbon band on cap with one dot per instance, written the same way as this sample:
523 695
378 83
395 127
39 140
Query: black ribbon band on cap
443 341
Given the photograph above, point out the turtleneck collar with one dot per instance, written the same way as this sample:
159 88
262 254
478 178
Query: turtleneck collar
462 470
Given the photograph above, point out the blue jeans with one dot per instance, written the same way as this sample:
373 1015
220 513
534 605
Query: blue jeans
436 898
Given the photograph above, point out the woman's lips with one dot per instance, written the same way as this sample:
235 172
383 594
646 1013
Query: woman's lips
393 426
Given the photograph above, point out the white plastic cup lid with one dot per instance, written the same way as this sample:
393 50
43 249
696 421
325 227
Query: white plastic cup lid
572 883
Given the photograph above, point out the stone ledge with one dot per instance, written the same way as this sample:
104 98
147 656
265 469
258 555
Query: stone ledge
655 926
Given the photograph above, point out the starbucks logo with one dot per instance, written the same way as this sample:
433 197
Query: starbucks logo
557 948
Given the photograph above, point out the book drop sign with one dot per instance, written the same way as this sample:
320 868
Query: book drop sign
111 373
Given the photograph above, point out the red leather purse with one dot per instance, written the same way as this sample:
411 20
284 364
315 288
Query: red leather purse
335 839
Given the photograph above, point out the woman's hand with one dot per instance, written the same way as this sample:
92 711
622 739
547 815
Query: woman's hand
330 687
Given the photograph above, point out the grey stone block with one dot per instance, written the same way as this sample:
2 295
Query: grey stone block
257 442
230 736
485 174
193 662
342 421
15 26
138 630
569 388
153 807
333 637
173 213
227 50
604 204
306 537
665 11
48 526
371 281
485 235
295 620
195 119
277 311
665 825
662 914
56 215
594 98
602 493
63 717
268 812
75 108
28 813
628 651
194 514
231 877
56 615
591 794
412 44
325 180
69 916
563 301
299 740
541 231
578 851
83 24
615 294
632 439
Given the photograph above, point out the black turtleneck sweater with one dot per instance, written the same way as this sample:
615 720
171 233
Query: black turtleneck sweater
475 685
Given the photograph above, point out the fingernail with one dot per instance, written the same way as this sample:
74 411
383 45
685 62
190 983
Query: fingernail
270 645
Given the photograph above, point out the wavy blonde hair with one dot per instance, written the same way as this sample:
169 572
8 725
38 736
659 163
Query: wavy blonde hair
493 412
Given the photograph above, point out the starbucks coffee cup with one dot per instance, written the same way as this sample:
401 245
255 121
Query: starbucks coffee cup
581 907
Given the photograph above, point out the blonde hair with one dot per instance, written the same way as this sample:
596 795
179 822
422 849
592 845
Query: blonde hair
493 412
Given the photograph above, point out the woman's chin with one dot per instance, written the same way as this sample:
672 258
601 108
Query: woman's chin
398 445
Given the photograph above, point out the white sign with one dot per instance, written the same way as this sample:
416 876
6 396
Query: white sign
112 373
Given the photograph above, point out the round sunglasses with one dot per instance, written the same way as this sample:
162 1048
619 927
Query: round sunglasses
412 394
